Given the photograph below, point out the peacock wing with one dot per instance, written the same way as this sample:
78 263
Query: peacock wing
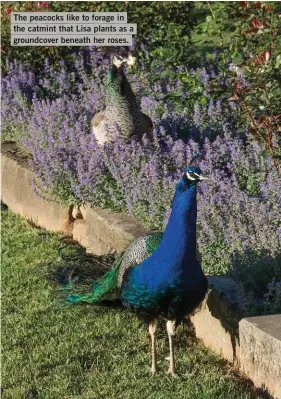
140 249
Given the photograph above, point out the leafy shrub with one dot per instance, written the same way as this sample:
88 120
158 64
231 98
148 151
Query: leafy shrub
258 275
152 19
256 52
246 34
272 298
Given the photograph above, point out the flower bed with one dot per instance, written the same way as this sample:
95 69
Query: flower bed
238 214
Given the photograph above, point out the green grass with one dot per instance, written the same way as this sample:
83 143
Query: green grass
84 351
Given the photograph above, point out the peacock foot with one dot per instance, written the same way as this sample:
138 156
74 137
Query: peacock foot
172 373
153 372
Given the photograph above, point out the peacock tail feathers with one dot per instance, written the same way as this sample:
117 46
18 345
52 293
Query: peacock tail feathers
109 286
106 288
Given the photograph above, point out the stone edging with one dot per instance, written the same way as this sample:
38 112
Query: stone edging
101 231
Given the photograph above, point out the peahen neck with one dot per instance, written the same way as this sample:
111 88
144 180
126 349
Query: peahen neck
119 91
122 107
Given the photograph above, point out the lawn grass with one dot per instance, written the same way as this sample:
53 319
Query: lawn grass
85 351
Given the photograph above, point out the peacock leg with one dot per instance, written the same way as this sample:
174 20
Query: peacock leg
171 332
152 330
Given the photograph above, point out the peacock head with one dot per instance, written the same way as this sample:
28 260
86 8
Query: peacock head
193 175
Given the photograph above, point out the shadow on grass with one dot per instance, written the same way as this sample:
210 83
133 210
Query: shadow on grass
76 268
4 207
71 261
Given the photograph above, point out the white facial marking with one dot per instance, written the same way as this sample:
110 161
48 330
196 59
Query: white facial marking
118 62
189 177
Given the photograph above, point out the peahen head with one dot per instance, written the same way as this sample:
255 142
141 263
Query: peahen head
117 81
193 175
114 73
116 70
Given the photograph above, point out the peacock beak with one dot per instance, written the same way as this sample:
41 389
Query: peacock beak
204 178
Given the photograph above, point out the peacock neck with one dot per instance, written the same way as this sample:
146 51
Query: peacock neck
179 239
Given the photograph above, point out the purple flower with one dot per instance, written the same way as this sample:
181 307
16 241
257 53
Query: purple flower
238 212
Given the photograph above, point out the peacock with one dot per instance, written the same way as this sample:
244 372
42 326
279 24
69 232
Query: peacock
158 275
122 109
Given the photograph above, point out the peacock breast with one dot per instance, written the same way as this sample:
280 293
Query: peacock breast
170 295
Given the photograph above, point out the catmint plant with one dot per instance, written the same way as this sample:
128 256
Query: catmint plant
239 222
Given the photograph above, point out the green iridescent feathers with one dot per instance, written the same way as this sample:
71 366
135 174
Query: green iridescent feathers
106 288
152 242
109 286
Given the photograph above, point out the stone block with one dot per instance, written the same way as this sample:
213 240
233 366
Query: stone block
260 351
104 231
216 322
79 232
18 195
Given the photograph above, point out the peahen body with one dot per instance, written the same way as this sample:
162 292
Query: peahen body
159 274
122 110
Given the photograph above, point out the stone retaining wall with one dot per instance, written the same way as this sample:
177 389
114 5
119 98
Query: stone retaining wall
216 324
260 351
253 344
101 231
17 193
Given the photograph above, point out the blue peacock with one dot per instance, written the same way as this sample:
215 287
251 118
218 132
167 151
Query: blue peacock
158 275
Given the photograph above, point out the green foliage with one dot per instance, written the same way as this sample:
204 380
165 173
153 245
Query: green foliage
12 132
152 18
209 39
63 190
106 185
250 179
259 280
256 51
247 34
215 258
161 23
213 31
273 297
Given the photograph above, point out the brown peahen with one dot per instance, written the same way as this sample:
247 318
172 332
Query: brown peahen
122 114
